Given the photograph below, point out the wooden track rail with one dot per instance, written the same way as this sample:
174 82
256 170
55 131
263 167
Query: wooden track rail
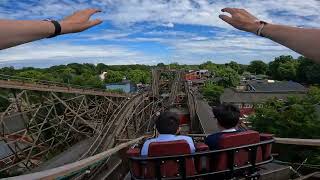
82 165
55 87
302 142
292 141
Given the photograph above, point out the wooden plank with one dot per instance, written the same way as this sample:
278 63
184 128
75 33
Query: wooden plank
293 141
76 166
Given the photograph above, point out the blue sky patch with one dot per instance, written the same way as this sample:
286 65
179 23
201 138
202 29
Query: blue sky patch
153 31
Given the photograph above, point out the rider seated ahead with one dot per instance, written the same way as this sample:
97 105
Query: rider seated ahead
227 116
167 126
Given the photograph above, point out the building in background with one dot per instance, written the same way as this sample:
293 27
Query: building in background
254 93
199 74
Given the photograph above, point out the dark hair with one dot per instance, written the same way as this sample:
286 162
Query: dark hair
167 123
227 115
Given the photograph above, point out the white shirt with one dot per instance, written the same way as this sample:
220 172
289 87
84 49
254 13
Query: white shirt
165 138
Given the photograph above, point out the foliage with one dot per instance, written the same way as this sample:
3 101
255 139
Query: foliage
101 68
32 74
257 67
211 67
230 78
301 70
298 117
308 71
283 68
239 68
7 70
114 76
139 76
83 74
87 80
234 65
212 93
161 65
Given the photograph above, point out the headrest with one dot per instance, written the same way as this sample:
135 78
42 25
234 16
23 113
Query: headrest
235 139
168 148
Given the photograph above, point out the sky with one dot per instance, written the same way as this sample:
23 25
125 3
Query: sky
154 31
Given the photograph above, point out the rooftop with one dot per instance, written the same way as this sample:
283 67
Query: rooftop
276 86
233 96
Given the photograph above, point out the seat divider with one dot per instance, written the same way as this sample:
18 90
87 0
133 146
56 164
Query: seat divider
182 168
231 157
158 169
253 157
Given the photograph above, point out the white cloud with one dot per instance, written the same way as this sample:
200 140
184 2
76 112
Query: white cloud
62 51
170 25
170 12
206 13
139 16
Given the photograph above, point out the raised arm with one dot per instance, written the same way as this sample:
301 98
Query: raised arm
302 40
16 32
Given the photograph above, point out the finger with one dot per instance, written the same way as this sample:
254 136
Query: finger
93 23
228 10
226 18
90 12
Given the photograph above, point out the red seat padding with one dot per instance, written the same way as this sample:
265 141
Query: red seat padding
201 147
242 157
135 167
266 149
170 168
202 162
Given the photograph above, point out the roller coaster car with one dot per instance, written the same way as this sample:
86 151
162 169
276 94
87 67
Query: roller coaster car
239 155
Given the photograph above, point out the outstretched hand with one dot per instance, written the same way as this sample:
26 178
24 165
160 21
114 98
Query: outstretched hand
79 21
241 19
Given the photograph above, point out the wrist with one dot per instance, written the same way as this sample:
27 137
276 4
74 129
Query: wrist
253 27
65 27
57 28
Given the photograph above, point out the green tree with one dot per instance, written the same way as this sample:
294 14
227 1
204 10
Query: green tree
287 71
161 65
298 117
7 71
174 65
211 67
212 93
101 68
138 76
234 65
87 80
32 74
308 71
230 78
286 63
257 67
113 76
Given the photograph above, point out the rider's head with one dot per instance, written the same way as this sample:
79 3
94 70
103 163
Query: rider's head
227 115
167 123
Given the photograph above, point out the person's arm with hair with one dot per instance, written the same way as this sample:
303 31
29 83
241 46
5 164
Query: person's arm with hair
16 32
305 41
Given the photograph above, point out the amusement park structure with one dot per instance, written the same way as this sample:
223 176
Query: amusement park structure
57 131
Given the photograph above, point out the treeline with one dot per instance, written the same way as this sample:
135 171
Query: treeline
282 68
83 74
302 70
